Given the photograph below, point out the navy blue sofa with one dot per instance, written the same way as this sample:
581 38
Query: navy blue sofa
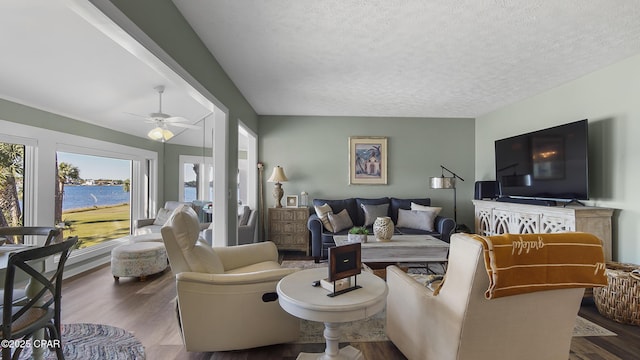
322 239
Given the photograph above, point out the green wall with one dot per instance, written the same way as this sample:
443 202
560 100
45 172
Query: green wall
609 99
314 154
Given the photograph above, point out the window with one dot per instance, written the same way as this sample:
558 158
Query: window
196 174
93 197
12 170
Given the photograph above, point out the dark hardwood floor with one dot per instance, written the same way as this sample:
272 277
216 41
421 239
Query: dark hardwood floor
147 310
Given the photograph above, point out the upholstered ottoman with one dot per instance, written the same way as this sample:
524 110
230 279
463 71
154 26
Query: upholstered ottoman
138 260
145 238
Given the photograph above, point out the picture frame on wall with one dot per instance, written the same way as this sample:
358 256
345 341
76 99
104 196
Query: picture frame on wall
368 160
291 201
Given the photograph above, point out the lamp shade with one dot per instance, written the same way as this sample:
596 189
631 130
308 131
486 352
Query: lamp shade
160 134
442 182
278 175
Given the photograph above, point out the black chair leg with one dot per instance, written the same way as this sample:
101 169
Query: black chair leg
55 335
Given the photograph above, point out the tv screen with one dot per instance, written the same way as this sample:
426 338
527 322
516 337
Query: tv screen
548 164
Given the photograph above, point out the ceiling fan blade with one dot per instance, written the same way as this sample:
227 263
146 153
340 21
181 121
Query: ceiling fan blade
175 119
188 126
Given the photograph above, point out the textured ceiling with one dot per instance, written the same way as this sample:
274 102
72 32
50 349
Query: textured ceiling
310 57
409 58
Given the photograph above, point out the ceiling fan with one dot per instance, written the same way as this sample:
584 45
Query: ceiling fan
163 120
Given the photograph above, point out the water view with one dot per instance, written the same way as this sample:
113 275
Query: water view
79 197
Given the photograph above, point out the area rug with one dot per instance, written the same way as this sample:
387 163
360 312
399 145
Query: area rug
303 264
95 342
373 329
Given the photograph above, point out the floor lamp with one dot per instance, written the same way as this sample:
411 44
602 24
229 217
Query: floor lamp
447 182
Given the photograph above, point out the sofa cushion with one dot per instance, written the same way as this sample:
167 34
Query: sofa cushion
323 212
414 219
405 204
340 221
419 207
372 212
360 219
162 216
339 205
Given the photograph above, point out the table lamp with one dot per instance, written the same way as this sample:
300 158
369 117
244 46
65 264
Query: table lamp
278 177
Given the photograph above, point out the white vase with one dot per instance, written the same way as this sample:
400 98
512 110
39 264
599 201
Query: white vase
383 228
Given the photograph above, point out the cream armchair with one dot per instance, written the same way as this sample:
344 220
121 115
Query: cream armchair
227 297
459 323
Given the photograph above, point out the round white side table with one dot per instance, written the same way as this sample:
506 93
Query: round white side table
298 297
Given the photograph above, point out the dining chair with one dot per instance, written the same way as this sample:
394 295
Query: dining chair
16 235
42 311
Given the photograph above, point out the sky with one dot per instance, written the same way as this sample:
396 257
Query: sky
97 167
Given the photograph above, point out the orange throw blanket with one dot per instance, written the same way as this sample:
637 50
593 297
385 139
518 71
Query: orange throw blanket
523 263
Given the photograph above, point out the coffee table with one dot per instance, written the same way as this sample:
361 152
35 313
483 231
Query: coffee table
401 249
299 298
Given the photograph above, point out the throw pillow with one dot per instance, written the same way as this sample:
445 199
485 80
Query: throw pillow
322 211
422 220
372 212
419 207
162 216
340 221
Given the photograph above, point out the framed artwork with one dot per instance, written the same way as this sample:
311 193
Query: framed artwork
344 261
291 201
367 160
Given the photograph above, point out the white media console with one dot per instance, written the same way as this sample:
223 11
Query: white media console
494 218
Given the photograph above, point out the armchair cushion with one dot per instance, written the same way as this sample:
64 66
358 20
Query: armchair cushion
185 231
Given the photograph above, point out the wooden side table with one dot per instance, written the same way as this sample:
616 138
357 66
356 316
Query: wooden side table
298 297
288 228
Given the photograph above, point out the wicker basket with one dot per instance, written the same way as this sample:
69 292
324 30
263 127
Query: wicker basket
620 301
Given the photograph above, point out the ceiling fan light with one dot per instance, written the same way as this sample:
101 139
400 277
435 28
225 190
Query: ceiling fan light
160 134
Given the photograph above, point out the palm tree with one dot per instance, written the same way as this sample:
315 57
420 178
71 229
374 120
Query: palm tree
11 175
66 173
